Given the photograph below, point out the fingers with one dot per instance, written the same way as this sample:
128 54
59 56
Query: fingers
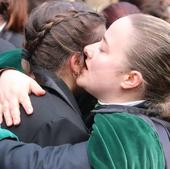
6 113
36 88
11 96
14 111
11 113
26 104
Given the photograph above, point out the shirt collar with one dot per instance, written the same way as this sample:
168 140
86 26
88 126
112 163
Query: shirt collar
132 103
2 26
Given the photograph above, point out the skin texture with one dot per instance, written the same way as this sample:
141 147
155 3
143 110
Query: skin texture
10 107
106 75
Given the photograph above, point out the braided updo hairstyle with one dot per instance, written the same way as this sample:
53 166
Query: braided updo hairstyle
56 30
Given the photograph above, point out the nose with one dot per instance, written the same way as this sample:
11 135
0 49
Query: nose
88 51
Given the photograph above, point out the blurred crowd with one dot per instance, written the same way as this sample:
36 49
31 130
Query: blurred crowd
14 13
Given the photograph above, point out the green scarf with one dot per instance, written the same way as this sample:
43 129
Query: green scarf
124 141
11 59
7 134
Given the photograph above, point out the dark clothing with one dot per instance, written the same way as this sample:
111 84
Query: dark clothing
15 38
17 155
86 103
56 119
5 46
139 109
10 56
123 130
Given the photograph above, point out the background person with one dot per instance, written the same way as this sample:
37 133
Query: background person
13 17
117 10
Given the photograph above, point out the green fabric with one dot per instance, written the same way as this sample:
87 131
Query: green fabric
11 59
124 141
7 134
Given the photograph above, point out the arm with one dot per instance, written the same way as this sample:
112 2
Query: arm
48 126
11 95
17 155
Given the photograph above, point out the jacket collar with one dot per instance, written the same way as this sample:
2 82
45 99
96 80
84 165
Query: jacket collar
141 108
52 82
2 26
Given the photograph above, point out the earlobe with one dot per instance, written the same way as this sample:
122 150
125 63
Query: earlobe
132 80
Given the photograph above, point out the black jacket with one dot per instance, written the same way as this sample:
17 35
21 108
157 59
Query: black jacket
56 119
5 45
17 155
17 39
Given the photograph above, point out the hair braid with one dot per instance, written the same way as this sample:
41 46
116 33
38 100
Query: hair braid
55 31
45 29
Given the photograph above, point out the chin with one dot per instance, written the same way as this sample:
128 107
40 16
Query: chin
80 82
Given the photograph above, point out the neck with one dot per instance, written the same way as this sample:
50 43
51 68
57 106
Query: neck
69 83
67 78
122 97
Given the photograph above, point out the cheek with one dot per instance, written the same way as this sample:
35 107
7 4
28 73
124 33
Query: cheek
103 69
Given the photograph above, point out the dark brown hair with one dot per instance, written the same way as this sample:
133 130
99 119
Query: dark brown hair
149 54
56 30
34 3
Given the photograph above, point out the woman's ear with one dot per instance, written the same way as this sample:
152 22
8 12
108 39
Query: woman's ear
75 63
132 80
26 66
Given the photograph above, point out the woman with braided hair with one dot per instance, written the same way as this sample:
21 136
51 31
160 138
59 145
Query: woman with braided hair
56 34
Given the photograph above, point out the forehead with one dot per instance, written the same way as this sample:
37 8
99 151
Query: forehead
119 32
